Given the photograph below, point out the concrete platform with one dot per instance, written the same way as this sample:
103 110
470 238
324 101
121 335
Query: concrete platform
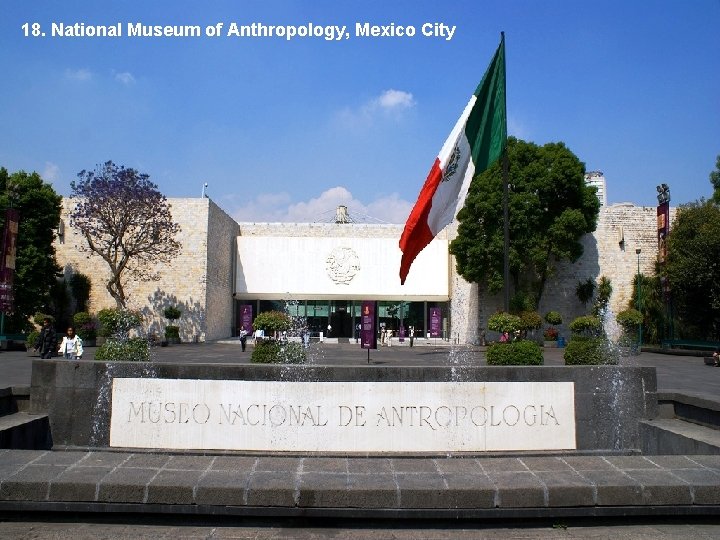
353 487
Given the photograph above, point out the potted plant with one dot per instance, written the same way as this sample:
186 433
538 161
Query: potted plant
30 340
172 332
85 328
551 334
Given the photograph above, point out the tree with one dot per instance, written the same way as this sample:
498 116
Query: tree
126 221
36 269
693 270
550 208
715 181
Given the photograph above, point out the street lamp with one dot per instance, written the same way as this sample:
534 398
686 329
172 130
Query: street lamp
639 298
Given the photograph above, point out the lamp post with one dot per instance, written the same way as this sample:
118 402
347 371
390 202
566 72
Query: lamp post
639 298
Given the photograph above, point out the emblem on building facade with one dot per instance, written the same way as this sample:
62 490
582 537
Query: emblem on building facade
342 265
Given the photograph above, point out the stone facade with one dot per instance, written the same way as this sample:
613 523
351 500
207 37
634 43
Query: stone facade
201 279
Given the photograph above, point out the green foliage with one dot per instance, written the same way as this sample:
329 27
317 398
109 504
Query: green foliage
39 317
550 333
272 321
693 268
522 301
652 307
587 325
585 290
276 352
31 339
530 320
517 353
715 181
584 351
629 318
35 265
172 332
80 286
84 325
115 321
118 350
172 313
550 209
504 322
553 317
604 292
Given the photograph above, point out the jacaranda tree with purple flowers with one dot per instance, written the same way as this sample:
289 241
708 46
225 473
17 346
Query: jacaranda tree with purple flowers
126 221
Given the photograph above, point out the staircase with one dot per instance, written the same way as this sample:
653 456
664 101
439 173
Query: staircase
18 428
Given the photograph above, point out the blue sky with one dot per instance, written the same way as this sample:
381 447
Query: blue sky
286 130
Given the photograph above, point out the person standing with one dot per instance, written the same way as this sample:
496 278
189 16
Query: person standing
47 340
243 339
71 346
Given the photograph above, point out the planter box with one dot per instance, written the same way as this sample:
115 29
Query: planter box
550 344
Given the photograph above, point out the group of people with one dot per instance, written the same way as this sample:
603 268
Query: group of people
71 346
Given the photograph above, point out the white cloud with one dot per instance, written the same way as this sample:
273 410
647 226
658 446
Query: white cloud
395 100
277 207
390 103
78 74
125 78
51 172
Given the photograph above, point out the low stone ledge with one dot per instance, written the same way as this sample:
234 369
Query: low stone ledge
266 485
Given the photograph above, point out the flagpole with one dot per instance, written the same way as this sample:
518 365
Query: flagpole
506 212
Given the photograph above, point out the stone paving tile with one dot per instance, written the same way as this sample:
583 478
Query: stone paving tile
422 491
20 457
458 466
234 463
60 458
567 488
103 459
501 465
223 488
588 463
146 461
271 488
189 463
30 483
545 464
470 491
77 484
705 485
325 465
173 487
323 490
277 464
613 488
660 487
373 491
629 463
413 465
369 466
518 489
711 462
125 485
674 462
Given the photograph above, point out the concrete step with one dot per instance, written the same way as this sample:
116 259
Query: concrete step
25 431
672 436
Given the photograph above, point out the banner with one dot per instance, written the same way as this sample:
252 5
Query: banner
435 322
368 331
7 260
246 318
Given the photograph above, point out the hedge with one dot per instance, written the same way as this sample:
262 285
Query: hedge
516 353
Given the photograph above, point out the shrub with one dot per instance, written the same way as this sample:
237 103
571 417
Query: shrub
586 325
629 319
39 317
31 338
504 322
274 352
584 351
131 350
517 353
530 320
551 333
172 332
553 318
172 313
84 325
114 321
272 321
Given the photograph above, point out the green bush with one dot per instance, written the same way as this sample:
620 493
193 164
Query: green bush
517 353
553 318
172 313
587 325
272 321
172 332
114 321
586 351
629 319
131 350
84 325
31 338
530 320
504 322
40 317
269 351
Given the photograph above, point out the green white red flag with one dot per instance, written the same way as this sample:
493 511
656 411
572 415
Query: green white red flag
476 142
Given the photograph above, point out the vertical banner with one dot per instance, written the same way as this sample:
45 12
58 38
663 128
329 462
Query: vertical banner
7 260
663 229
368 332
246 318
435 322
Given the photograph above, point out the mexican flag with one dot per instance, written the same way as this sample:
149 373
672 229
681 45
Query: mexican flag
476 142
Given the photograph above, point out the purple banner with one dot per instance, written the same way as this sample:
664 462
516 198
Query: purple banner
368 332
246 318
435 322
7 260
